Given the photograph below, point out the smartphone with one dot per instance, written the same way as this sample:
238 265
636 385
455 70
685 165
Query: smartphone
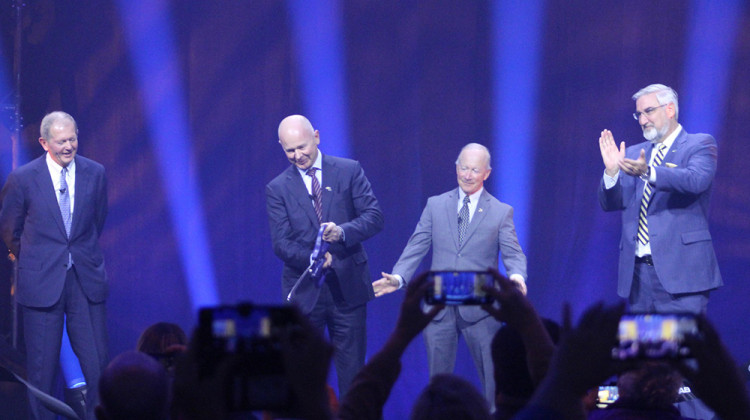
251 335
654 336
459 287
607 395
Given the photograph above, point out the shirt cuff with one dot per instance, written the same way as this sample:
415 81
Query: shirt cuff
610 181
400 280
517 277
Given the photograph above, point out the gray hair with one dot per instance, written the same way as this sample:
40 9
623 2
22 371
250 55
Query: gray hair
52 118
476 146
664 94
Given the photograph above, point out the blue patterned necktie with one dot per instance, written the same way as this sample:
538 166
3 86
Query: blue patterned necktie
65 201
463 220
317 194
643 214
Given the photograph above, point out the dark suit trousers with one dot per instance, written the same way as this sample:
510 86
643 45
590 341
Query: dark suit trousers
346 330
648 295
43 327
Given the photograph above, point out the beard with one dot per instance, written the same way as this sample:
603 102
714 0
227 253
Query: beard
653 135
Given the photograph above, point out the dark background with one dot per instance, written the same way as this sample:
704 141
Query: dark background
419 86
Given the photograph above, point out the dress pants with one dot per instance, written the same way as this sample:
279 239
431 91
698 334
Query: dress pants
441 340
648 295
346 330
86 325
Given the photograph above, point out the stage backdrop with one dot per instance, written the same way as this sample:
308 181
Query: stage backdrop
181 100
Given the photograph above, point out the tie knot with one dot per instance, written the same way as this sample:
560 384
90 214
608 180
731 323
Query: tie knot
467 200
311 171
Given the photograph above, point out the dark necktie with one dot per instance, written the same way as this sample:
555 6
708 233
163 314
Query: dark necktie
463 220
643 215
65 201
317 194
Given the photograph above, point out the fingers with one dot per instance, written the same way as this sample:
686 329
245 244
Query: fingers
332 233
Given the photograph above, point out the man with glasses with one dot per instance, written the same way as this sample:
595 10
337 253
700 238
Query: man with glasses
667 261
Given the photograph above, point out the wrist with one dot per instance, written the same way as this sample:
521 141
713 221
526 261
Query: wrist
647 174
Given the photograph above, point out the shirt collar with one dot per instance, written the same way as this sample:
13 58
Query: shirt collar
54 167
318 164
473 198
671 138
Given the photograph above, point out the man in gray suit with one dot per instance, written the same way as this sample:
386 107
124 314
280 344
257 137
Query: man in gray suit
490 232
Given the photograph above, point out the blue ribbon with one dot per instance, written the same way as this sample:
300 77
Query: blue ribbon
318 257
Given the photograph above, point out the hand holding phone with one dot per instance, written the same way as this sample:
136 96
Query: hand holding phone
654 336
459 287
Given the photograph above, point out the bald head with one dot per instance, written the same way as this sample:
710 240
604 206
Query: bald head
473 167
299 140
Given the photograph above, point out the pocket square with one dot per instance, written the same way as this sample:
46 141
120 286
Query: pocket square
670 165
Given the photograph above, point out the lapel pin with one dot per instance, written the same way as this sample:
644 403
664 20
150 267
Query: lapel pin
328 188
480 210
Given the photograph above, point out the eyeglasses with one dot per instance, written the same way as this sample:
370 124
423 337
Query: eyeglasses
647 111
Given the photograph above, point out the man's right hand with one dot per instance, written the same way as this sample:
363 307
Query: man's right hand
611 155
387 284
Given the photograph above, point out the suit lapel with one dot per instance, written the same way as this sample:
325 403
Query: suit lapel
677 144
47 192
481 210
298 192
329 185
451 213
83 184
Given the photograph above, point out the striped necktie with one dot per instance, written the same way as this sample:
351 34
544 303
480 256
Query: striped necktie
65 201
463 220
317 194
643 215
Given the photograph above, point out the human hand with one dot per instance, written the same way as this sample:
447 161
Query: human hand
329 260
611 155
387 284
637 167
332 233
519 282
412 319
716 378
584 356
514 308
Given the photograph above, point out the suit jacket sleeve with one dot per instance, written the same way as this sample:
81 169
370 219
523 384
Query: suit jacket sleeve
102 206
369 217
514 259
286 243
697 176
418 245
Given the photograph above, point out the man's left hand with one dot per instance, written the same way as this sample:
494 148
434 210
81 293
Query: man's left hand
332 233
636 167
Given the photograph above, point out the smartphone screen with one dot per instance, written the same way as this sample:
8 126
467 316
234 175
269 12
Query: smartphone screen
459 287
252 336
654 336
607 395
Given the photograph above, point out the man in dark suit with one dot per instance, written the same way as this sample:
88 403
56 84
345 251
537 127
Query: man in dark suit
489 231
663 187
53 211
346 204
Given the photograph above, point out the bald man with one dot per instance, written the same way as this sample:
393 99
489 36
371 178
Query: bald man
489 233
348 207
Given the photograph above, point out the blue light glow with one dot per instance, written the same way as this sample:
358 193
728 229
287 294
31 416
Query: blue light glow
712 32
318 42
517 38
71 369
148 27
